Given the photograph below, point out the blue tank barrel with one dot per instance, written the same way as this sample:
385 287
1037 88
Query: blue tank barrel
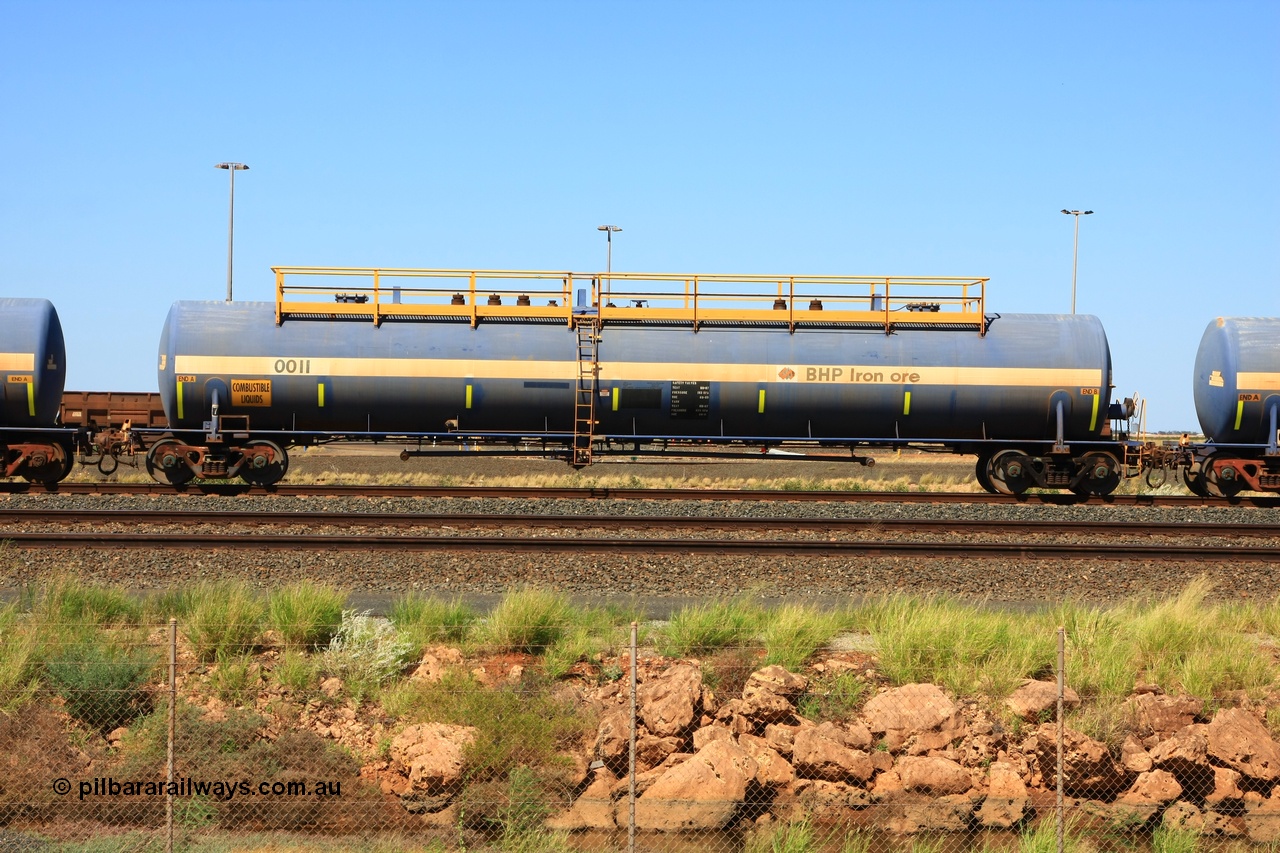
33 363
654 379
1236 382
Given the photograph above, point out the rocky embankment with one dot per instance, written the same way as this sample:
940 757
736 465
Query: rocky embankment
912 759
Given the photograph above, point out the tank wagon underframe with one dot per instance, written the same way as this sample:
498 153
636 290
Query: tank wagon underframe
688 365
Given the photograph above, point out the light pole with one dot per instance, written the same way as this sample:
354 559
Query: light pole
231 221
608 270
1075 252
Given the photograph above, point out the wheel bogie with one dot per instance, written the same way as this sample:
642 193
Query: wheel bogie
36 460
1014 471
257 462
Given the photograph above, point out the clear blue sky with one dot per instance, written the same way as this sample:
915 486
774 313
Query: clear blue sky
891 138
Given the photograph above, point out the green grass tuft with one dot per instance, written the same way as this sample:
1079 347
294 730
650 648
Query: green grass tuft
426 622
305 614
793 632
67 600
703 628
225 620
527 620
102 680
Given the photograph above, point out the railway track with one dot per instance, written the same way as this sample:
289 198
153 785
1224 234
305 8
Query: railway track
1111 530
762 548
185 530
401 491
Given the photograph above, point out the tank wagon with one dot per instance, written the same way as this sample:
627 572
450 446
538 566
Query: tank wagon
32 371
636 363
1236 387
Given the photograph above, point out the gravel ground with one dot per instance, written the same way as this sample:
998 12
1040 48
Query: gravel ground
376 577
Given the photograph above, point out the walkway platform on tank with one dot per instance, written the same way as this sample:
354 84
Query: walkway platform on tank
874 302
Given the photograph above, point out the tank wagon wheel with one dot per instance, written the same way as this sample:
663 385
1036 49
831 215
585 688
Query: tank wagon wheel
1102 474
1220 484
54 470
257 470
982 472
166 464
1011 472
1194 480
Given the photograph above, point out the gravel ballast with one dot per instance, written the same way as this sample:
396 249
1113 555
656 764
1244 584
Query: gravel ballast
374 575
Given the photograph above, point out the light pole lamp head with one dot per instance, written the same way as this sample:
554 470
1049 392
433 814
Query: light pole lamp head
609 228
1076 212
236 167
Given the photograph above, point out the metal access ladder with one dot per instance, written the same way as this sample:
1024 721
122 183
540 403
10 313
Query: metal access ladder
584 404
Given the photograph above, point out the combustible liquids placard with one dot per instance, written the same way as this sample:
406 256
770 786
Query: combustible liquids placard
251 392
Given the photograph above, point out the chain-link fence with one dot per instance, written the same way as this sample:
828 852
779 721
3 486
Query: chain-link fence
223 734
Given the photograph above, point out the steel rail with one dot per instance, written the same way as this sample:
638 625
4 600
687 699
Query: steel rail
545 545
605 493
224 518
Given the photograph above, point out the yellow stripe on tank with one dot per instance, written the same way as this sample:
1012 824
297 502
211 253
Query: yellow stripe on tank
1239 412
1258 381
1093 419
761 409
31 399
181 413
621 371
320 393
906 403
18 361
468 395
615 399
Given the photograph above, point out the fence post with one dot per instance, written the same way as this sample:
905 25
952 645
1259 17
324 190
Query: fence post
631 757
1062 666
173 703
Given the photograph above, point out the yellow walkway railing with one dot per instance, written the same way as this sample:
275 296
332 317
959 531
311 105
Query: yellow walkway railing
875 301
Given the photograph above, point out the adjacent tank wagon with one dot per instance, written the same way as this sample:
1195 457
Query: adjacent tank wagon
1236 388
618 365
33 372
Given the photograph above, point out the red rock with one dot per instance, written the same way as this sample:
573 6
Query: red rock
938 776
1239 740
1226 794
593 810
1133 757
821 753
707 734
773 770
704 792
1164 715
1006 804
918 712
668 704
1088 769
1037 701
776 681
431 755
